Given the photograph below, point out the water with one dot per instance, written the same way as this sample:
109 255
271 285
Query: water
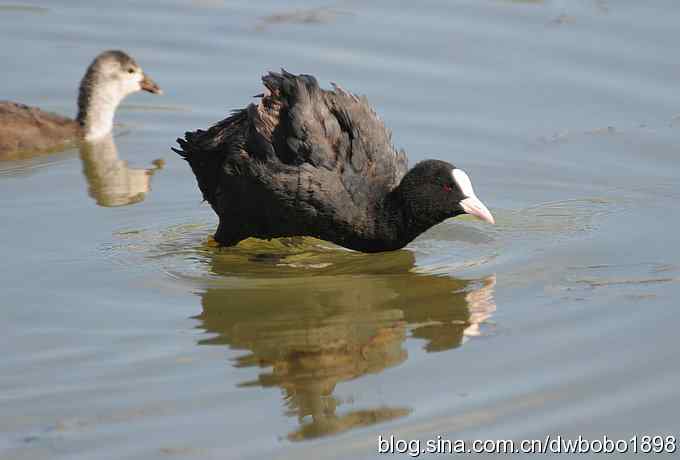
127 334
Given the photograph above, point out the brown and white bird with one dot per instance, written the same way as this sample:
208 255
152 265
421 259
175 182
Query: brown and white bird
111 77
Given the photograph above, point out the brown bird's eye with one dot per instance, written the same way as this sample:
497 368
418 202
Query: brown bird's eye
131 70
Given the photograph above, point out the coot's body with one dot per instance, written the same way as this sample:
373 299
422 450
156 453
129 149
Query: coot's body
28 129
307 161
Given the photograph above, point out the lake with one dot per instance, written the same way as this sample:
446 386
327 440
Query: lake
127 334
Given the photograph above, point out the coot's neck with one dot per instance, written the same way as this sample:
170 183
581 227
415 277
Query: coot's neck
401 220
97 103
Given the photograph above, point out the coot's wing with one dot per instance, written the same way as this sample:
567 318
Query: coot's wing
332 139
331 130
29 129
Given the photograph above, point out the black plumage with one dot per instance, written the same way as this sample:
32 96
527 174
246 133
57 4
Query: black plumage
308 161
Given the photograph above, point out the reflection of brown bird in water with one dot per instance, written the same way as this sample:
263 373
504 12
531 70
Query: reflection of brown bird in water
111 182
315 330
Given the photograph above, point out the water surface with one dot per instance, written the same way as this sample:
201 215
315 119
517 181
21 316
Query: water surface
127 334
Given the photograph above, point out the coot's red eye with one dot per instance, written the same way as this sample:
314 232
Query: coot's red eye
447 188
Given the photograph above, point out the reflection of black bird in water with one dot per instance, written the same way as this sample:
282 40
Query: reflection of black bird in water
317 327
111 182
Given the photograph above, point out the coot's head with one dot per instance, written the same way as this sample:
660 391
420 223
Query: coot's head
435 190
119 74
111 76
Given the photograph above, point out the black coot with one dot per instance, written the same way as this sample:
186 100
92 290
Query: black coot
314 162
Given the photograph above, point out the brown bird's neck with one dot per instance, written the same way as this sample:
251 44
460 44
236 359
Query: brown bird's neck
97 104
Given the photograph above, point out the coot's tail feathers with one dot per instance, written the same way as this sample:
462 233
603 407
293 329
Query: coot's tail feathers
325 128
205 151
296 122
283 84
200 163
